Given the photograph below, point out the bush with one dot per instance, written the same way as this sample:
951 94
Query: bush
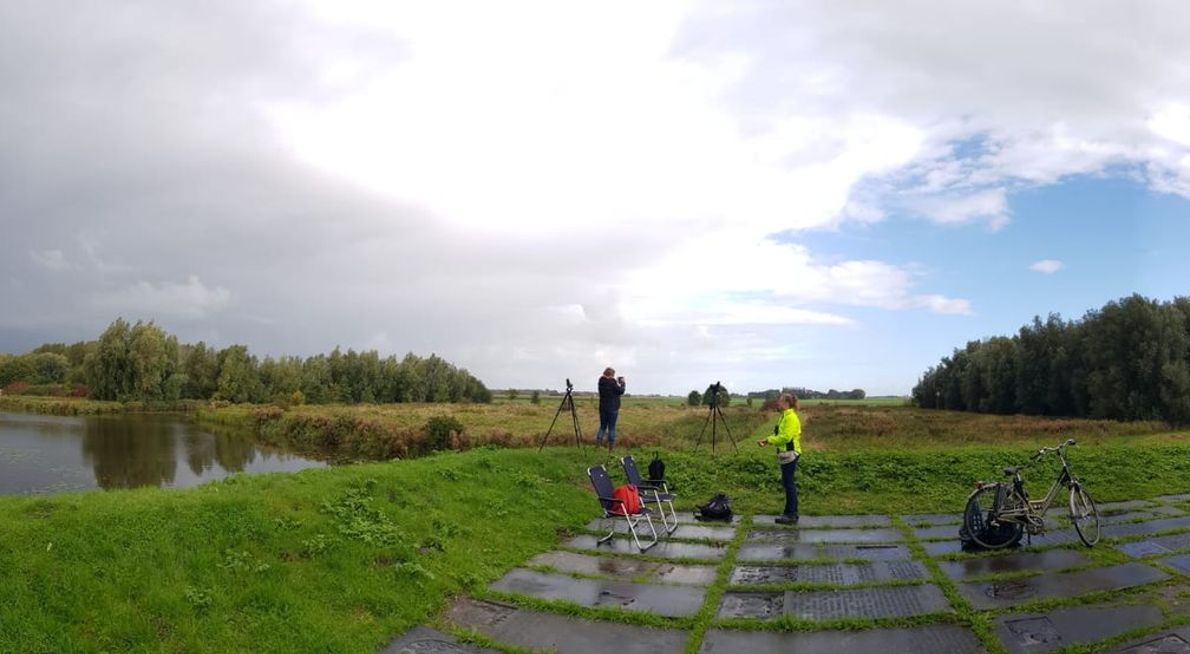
439 430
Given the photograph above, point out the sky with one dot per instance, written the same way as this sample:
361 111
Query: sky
825 195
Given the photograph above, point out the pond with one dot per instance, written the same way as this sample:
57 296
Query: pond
47 454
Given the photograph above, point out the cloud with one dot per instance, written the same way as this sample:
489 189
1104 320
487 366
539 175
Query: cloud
50 260
990 205
189 300
1047 266
388 175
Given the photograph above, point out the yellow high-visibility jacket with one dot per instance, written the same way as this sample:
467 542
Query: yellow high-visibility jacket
789 430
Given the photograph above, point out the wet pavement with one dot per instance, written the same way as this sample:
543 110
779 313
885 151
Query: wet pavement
769 588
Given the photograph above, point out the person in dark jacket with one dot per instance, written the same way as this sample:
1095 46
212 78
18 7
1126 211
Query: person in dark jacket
610 390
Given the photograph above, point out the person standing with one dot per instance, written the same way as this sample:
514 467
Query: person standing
610 390
788 439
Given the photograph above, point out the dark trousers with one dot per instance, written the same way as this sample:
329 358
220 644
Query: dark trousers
790 485
607 423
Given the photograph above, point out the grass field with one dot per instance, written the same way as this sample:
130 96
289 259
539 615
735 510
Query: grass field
387 431
342 559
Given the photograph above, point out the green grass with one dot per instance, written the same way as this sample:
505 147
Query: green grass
335 561
343 559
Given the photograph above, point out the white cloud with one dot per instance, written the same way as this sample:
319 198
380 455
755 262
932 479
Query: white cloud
585 181
990 205
53 260
1047 266
191 299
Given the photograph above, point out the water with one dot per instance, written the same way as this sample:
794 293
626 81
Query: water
46 454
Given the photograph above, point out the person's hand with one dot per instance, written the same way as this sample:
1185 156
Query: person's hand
620 379
762 442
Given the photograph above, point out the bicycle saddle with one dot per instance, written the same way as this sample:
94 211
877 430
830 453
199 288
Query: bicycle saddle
1010 471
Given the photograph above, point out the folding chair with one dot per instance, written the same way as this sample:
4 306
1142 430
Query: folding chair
604 490
652 490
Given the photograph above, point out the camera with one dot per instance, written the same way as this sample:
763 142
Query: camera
569 386
714 390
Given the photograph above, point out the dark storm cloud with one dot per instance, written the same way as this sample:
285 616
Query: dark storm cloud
138 178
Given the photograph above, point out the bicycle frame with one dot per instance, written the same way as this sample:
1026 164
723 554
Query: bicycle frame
1020 508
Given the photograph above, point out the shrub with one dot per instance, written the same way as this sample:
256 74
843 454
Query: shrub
439 429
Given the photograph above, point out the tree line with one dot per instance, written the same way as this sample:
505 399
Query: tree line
810 394
141 362
1129 360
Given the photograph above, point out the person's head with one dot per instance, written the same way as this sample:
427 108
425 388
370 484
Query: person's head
788 401
609 372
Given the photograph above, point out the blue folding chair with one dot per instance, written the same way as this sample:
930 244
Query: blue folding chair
652 490
614 508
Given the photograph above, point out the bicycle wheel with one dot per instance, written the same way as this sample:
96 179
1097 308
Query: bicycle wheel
979 520
1084 515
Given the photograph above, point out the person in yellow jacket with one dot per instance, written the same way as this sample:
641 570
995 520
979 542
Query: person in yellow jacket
788 439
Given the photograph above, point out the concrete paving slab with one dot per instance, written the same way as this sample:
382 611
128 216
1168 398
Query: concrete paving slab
687 518
795 552
1129 516
1120 507
1031 633
1157 545
1001 594
1142 548
624 568
815 521
891 602
1144 528
823 552
951 639
423 640
684 531
933 519
1048 539
669 601
1168 641
1023 562
663 549
568 635
1179 562
790 536
841 574
937 532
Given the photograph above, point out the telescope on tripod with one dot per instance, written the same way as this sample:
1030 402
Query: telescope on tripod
715 415
567 403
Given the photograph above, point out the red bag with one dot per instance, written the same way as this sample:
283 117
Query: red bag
630 497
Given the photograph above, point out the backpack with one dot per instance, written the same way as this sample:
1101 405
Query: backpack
631 500
718 508
656 469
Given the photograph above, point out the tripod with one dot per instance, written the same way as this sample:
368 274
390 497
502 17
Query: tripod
567 402
714 414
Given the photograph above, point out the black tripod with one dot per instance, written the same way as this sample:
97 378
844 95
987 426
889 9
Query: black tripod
715 413
567 402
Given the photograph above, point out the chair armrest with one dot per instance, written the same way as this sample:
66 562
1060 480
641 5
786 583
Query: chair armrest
611 499
655 484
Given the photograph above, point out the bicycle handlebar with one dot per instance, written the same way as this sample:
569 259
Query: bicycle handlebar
1046 450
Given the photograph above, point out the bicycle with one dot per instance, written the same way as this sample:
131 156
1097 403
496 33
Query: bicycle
997 513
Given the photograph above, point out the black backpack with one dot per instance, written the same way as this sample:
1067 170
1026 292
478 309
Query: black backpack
656 469
719 508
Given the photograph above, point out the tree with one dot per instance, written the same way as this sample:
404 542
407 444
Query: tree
15 369
724 395
238 376
134 362
535 397
50 368
694 399
200 364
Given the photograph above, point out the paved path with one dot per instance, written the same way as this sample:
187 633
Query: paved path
896 583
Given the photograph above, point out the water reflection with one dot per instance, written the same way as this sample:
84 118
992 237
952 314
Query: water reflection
124 452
